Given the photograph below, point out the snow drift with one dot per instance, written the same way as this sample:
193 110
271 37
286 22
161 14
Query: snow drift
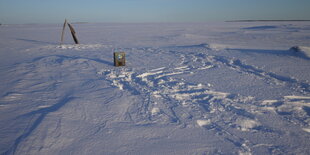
303 51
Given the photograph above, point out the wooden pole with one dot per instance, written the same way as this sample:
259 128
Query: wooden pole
63 32
73 34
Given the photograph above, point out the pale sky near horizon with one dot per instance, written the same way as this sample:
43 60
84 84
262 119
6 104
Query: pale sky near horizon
55 11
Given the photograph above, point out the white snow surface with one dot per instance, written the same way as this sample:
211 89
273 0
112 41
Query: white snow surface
305 51
191 88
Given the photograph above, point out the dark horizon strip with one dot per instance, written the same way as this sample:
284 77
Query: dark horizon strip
268 21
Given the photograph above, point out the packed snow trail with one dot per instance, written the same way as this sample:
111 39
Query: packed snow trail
168 100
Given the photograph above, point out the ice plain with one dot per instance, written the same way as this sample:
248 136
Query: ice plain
187 88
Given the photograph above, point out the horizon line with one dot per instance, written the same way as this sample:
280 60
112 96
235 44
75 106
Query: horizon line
156 22
271 20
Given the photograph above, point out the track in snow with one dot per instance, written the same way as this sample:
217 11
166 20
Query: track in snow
167 98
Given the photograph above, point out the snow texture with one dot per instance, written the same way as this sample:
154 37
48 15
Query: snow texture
208 88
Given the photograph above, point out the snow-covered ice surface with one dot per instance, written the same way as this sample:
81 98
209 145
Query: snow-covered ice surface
203 88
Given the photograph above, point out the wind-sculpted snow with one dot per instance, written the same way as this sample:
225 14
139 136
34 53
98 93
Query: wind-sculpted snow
261 27
173 100
302 51
41 115
178 98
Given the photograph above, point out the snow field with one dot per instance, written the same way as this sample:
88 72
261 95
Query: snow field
177 94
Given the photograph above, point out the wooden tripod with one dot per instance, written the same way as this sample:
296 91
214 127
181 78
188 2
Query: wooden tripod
72 32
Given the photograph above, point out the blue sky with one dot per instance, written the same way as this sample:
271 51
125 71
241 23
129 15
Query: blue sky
54 11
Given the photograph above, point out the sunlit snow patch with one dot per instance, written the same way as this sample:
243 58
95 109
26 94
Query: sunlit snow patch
306 129
303 50
247 124
297 97
81 46
218 47
244 153
155 111
12 96
203 123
